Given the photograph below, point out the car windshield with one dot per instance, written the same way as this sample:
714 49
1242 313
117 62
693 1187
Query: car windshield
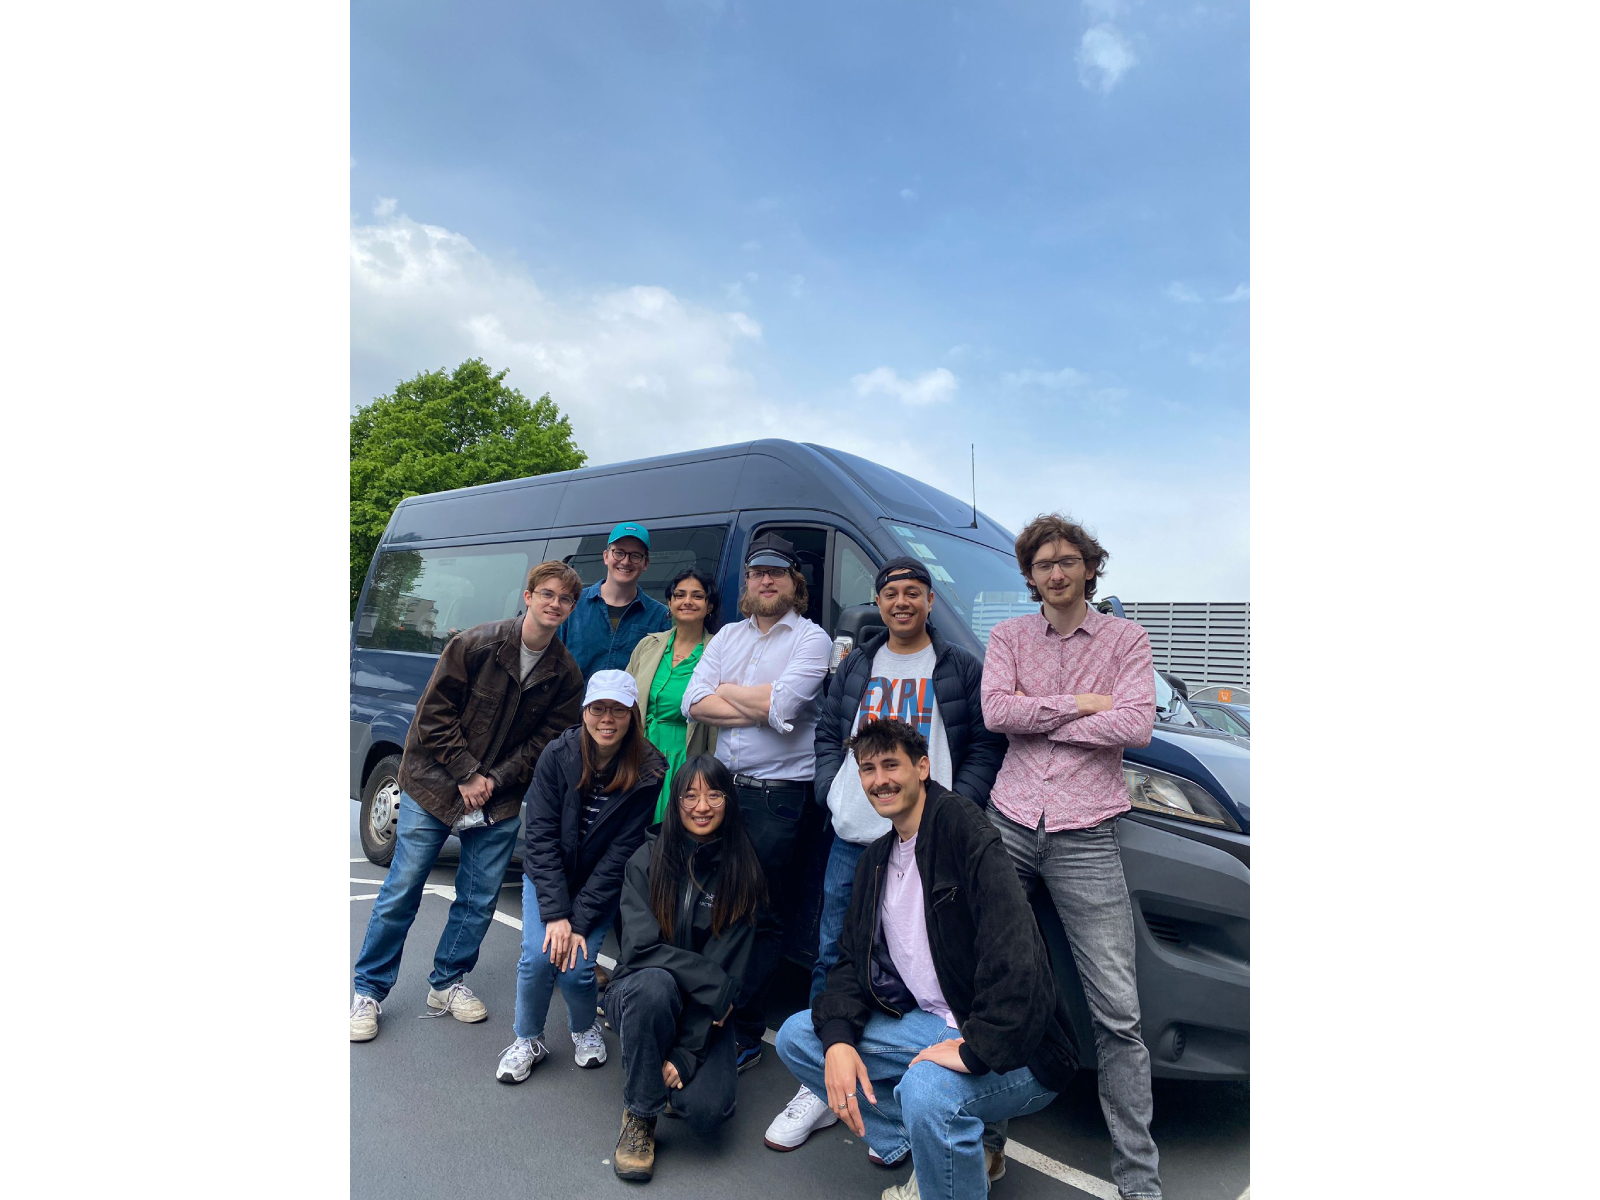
980 584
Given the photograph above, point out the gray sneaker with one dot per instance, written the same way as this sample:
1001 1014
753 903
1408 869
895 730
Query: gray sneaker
364 1012
589 1047
519 1058
459 1002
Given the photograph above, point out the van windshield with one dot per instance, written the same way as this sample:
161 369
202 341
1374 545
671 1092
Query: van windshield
980 584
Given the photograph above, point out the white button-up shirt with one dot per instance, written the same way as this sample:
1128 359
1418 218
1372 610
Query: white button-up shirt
793 657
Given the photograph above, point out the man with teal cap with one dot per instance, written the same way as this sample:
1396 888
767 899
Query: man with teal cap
612 615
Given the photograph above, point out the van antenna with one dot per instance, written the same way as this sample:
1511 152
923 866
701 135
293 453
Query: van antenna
974 446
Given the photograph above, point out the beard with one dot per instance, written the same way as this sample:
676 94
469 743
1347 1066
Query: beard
756 606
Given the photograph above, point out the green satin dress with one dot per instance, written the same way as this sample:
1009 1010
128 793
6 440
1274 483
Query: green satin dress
663 717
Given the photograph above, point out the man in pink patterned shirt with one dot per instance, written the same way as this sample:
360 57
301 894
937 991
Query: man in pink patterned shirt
1070 687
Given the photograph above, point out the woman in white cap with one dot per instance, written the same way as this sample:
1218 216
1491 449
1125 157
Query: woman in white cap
592 797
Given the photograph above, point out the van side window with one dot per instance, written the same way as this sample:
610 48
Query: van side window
417 599
853 573
670 551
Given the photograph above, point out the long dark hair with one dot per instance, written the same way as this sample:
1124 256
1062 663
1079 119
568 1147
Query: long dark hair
629 761
739 887
713 605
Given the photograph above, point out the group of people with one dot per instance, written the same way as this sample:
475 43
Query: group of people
667 763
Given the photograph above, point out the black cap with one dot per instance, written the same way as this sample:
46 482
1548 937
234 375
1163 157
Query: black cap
902 568
770 550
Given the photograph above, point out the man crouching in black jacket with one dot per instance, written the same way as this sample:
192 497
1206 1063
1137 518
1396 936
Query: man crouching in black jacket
942 1008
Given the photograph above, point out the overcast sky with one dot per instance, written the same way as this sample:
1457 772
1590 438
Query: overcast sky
894 228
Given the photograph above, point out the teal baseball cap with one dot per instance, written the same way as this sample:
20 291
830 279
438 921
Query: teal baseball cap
630 529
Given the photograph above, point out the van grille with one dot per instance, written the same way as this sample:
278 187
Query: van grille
1163 929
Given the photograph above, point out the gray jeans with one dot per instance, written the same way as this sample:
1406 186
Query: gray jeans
1082 871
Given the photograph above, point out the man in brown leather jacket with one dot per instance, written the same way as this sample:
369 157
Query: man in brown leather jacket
499 692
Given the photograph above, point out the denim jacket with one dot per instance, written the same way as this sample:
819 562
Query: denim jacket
588 636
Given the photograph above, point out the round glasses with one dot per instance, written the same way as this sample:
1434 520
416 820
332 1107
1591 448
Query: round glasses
714 799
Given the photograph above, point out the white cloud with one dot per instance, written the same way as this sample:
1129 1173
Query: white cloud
1055 381
748 247
1181 293
1105 10
385 206
797 286
1242 292
958 352
907 194
1104 57
736 294
931 387
1218 358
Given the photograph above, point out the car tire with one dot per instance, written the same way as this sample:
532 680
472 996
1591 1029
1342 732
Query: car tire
380 811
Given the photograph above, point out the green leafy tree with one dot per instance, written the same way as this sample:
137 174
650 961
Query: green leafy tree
441 431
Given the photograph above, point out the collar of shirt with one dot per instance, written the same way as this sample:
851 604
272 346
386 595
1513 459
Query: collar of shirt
790 621
592 592
1093 619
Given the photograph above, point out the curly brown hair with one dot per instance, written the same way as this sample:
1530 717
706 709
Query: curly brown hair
1051 527
564 576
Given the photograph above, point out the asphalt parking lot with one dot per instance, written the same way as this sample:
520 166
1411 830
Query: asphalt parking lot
428 1119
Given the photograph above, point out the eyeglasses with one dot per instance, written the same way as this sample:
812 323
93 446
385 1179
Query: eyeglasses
1043 568
546 596
714 799
634 557
766 572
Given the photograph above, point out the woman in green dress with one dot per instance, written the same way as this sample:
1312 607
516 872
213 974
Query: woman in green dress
662 664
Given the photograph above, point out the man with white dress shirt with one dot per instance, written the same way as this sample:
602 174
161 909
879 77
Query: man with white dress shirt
760 682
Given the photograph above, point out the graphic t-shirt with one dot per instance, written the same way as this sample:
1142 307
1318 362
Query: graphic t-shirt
901 687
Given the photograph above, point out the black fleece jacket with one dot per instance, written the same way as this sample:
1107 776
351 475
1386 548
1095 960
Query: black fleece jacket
575 877
988 954
710 977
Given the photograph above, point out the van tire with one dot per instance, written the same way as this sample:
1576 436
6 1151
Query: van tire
380 810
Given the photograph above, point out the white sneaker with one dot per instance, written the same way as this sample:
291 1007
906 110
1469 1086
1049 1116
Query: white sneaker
519 1058
905 1191
364 1012
459 1002
800 1118
589 1047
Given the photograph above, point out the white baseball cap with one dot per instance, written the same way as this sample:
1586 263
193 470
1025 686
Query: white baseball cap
611 685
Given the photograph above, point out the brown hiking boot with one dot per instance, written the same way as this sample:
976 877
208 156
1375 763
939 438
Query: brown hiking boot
636 1148
994 1163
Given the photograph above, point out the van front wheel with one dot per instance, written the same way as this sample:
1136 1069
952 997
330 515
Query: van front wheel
380 810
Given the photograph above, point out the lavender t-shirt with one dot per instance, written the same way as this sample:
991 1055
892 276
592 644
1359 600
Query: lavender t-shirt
905 929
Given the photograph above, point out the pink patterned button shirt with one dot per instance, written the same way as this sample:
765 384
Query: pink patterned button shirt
1063 765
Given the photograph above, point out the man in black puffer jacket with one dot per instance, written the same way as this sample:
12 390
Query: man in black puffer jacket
942 1009
911 673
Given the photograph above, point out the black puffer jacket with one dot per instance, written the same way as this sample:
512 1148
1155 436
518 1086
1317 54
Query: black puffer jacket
975 751
581 882
711 978
988 954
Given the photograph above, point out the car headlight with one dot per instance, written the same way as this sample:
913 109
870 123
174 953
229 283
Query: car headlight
1155 791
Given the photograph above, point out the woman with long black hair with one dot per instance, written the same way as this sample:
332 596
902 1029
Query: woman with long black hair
691 899
591 799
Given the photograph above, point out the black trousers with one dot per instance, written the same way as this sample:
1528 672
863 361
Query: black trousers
643 1008
772 817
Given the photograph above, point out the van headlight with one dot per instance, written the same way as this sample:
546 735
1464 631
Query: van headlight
1155 791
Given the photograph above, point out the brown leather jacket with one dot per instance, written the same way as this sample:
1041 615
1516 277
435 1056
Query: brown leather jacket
477 715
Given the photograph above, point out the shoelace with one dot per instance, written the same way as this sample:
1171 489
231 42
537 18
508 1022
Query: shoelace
521 1046
361 1002
637 1134
802 1099
455 989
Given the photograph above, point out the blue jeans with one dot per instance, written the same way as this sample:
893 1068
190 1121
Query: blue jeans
537 977
485 854
1082 871
836 888
935 1113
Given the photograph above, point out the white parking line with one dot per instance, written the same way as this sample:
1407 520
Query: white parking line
1015 1150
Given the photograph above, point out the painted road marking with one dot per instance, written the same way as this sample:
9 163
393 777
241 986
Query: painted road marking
1015 1150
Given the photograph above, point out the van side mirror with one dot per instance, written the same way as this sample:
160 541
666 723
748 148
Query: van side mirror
857 624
